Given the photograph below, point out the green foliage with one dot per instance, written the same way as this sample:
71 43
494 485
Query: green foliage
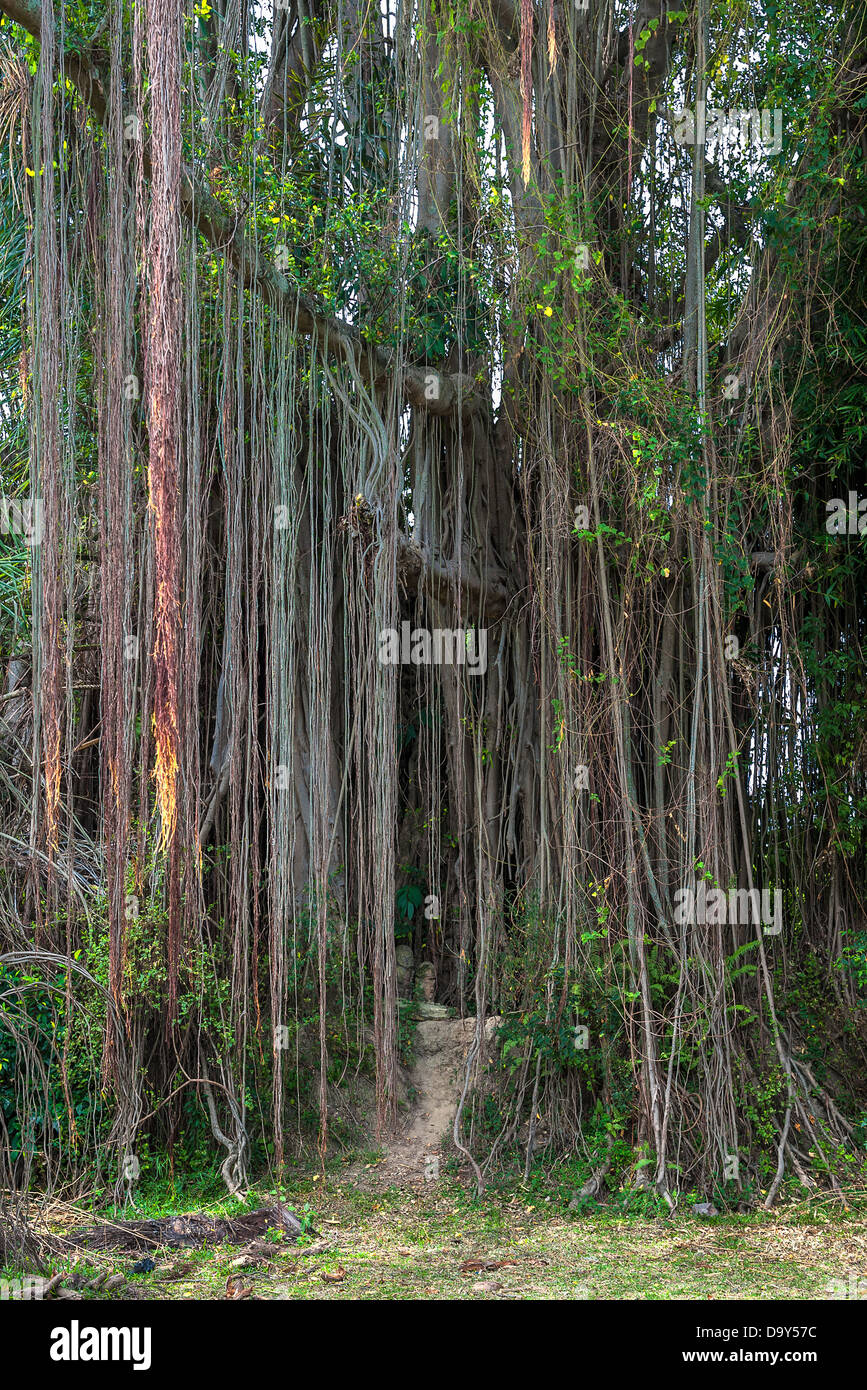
408 900
34 1032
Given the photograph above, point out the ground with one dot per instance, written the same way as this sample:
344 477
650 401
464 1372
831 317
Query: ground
443 1243
385 1226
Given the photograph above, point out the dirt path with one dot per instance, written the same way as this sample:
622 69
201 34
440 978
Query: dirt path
414 1157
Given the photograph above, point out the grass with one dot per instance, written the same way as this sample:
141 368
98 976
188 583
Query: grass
400 1245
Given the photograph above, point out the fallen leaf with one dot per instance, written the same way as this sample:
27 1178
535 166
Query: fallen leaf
235 1289
175 1272
258 1249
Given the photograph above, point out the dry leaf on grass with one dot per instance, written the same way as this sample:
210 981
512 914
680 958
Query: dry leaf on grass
474 1266
236 1290
176 1272
259 1250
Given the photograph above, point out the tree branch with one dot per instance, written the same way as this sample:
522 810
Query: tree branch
423 388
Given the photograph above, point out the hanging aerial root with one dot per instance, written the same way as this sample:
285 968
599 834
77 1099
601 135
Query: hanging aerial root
163 373
526 86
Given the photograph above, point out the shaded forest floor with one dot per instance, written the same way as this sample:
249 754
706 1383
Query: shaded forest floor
517 1244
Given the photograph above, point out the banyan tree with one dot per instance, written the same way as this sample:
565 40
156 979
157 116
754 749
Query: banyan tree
430 463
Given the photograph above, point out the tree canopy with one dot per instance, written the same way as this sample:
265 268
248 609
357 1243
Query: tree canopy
433 515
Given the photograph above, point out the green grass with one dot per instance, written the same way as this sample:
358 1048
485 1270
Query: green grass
398 1245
